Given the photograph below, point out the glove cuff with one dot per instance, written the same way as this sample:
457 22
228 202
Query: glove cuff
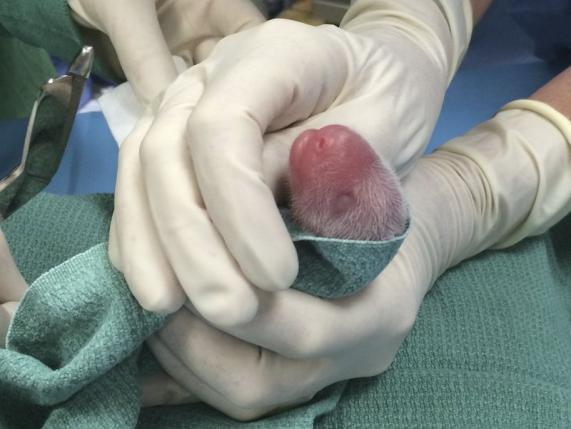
546 111
523 183
553 200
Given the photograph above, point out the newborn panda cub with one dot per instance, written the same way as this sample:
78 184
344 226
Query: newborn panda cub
341 189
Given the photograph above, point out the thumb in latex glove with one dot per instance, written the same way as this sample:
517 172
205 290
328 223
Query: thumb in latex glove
202 206
12 287
146 33
506 179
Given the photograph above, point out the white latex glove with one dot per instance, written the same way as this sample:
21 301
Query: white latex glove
507 179
195 213
146 33
12 287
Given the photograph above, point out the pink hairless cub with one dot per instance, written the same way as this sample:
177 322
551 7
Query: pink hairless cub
341 189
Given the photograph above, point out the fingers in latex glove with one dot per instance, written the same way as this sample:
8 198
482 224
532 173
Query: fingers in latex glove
12 288
134 248
341 189
173 219
243 387
145 34
173 206
134 30
192 28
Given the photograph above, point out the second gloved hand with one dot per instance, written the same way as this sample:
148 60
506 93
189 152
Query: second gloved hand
146 33
507 179
195 212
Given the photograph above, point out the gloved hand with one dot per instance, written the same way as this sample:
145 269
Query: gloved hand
195 213
12 287
146 33
507 179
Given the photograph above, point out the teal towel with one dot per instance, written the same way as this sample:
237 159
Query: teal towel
333 268
490 348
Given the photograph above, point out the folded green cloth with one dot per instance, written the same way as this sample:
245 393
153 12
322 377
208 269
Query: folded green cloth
333 268
490 348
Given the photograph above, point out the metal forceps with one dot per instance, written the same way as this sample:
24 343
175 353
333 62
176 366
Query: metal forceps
48 129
